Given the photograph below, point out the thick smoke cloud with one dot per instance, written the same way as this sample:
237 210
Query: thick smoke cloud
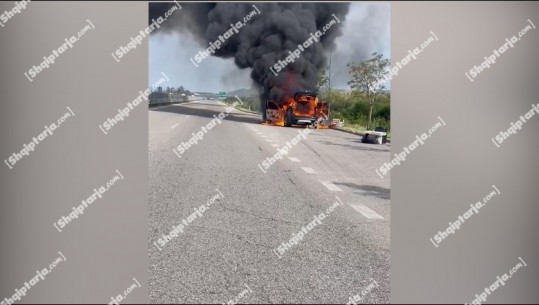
266 38
193 18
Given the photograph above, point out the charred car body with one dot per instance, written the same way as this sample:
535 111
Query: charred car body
303 108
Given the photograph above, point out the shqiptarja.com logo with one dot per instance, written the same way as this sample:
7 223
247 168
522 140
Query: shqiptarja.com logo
8 14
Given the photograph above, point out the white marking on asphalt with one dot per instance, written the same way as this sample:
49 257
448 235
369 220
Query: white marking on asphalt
275 145
365 211
332 187
294 159
269 140
309 170
155 108
175 125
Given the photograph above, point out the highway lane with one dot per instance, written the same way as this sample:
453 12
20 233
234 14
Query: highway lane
233 245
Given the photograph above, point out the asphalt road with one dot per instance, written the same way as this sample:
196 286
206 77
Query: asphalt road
230 253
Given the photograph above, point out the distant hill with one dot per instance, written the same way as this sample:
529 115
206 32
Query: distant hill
252 92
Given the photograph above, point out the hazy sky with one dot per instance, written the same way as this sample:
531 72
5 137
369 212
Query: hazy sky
366 30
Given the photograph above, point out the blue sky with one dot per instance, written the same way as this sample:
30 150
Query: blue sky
366 30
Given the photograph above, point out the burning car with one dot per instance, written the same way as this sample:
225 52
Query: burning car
303 108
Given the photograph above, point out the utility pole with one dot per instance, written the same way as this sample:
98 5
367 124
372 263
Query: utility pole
329 71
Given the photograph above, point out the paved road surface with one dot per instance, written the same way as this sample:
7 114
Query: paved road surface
230 252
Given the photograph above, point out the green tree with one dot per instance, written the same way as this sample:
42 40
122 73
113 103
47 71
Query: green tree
323 78
368 77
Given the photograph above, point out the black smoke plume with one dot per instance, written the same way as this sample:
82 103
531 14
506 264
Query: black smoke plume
264 40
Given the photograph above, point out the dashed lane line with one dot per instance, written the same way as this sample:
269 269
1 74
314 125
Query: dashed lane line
330 186
365 211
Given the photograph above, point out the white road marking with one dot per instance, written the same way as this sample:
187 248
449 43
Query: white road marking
269 140
175 125
294 159
155 108
332 187
365 211
275 145
309 170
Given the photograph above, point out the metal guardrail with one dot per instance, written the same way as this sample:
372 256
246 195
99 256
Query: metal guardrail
165 98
